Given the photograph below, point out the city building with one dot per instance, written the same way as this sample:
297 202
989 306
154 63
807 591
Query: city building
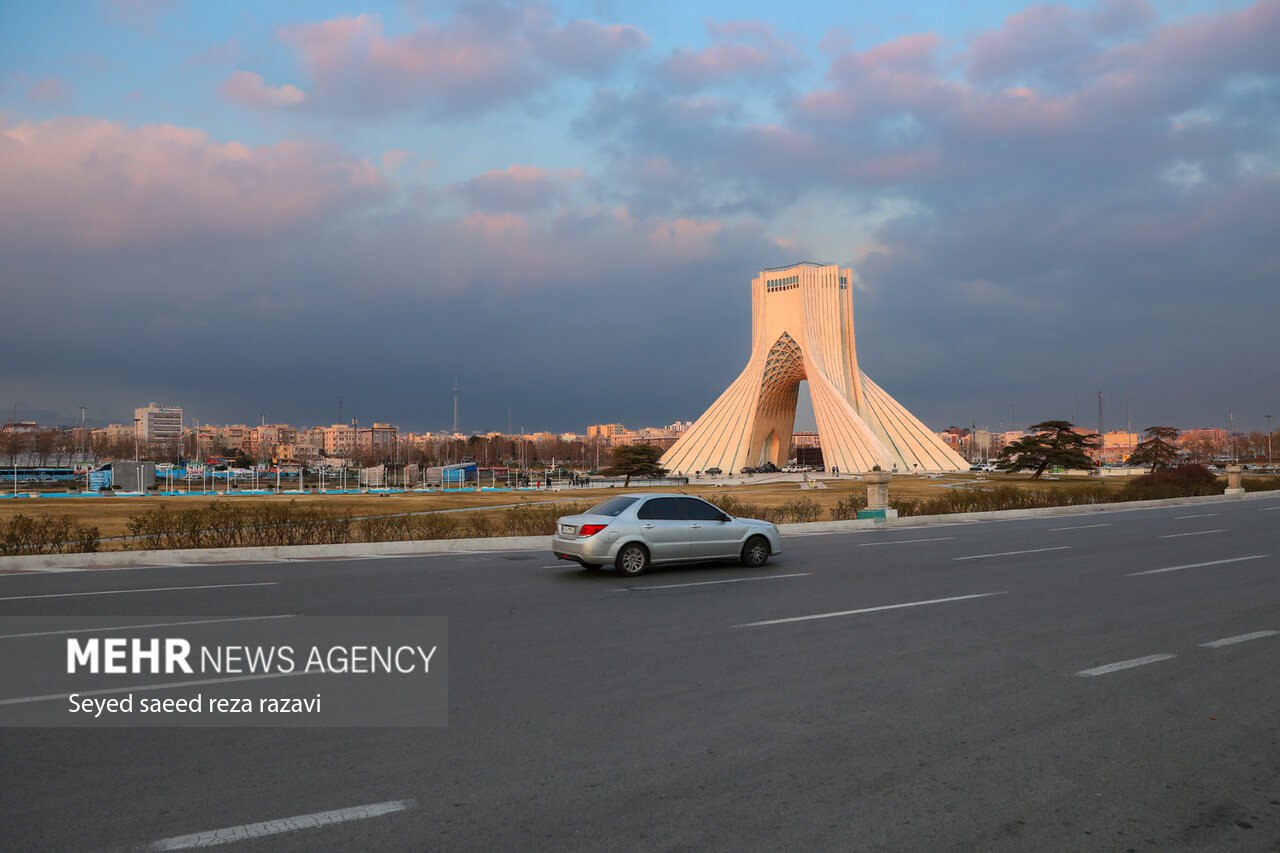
158 426
802 329
235 438
1117 447
379 439
339 440
265 438
605 431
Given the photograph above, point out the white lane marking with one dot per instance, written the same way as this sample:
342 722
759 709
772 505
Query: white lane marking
127 591
1080 527
1194 533
231 834
905 541
152 625
709 583
1197 515
1011 553
107 691
869 609
1241 638
1199 565
1268 508
1124 664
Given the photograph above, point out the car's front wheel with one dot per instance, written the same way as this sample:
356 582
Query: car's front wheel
756 552
632 560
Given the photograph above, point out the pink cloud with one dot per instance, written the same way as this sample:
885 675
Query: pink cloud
740 49
250 90
86 183
913 52
481 58
685 239
518 188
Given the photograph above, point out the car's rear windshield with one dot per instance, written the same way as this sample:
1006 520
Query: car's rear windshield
612 507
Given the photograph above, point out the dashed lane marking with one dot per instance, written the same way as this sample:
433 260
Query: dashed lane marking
1194 533
868 609
1124 664
1012 553
1198 565
129 591
1241 638
232 834
710 583
905 541
1080 527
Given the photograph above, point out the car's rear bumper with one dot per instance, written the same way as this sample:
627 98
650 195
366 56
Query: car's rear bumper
596 549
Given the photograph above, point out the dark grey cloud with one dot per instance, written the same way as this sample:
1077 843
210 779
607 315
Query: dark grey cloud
566 318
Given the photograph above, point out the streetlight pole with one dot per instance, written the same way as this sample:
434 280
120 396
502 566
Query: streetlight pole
1231 432
84 445
1270 462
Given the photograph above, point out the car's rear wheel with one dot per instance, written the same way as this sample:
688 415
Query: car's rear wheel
756 552
632 560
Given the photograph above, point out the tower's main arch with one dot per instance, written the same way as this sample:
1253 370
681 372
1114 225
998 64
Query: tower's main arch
802 329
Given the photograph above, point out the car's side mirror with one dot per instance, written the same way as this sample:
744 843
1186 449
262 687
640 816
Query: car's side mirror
724 516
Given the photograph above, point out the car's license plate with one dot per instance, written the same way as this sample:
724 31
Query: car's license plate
567 529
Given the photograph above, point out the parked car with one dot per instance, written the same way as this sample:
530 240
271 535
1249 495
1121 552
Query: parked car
713 472
633 532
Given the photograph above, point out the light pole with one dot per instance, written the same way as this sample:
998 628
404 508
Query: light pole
1270 462
1231 432
83 444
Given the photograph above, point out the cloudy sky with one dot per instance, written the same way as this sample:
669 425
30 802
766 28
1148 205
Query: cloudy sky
251 208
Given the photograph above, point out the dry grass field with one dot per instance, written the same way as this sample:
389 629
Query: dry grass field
111 514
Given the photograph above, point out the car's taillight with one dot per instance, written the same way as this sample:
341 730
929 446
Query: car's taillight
586 531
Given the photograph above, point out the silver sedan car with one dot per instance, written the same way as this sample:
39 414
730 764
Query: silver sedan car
635 531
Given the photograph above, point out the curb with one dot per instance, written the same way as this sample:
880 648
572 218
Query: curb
358 550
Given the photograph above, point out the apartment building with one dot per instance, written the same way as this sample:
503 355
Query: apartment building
155 424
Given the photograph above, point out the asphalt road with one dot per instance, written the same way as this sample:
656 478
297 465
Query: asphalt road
1037 684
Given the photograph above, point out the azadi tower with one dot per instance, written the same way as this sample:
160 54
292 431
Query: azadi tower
802 328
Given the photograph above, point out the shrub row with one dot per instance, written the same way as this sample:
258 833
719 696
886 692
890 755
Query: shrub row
226 525
1180 482
46 534
1001 497
1260 484
233 525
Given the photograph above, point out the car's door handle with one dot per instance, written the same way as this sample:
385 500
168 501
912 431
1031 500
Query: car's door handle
647 526
696 526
